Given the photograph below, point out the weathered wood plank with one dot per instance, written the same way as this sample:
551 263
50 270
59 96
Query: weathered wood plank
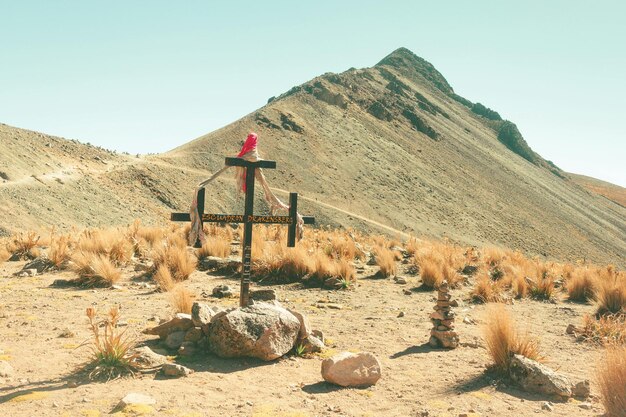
239 162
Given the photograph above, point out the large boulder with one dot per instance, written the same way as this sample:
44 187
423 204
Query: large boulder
532 376
351 369
261 330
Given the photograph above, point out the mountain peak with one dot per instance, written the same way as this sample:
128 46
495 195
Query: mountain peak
406 61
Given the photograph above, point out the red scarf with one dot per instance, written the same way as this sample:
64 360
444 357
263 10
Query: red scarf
249 145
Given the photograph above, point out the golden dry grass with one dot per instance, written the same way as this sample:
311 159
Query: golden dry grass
581 286
177 259
493 256
95 270
503 340
181 299
214 246
24 245
611 296
60 252
345 270
605 330
386 261
611 377
430 272
486 290
163 278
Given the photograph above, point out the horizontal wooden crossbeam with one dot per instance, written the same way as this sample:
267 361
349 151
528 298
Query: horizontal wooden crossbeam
239 162
239 218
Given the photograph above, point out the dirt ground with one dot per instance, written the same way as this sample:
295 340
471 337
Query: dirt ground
416 380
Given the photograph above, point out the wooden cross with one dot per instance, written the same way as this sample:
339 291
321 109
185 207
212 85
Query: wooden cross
248 219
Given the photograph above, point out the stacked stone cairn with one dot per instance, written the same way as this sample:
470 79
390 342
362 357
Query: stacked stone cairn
442 333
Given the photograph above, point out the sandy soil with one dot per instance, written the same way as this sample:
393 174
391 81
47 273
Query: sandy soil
417 380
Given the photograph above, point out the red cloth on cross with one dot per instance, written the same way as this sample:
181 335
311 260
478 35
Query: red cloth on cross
249 145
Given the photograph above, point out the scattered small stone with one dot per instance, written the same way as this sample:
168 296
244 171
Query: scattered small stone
582 389
401 314
406 292
147 358
263 295
67 333
351 369
571 329
334 306
174 369
585 406
194 335
468 320
400 280
181 322
27 273
469 269
319 334
547 406
143 266
187 349
311 344
175 339
6 370
134 398
222 291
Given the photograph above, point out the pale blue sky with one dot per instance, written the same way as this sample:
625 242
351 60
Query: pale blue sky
146 76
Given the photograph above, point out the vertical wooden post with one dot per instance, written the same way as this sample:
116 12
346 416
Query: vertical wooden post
200 200
293 213
244 293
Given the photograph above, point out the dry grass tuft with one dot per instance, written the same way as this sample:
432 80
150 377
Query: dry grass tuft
503 341
60 253
430 272
542 288
581 286
606 330
611 296
611 377
177 259
24 245
493 256
345 271
386 260
214 247
111 349
486 290
181 299
519 287
95 270
163 278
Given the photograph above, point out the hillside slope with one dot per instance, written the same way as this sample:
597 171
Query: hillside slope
390 149
396 145
603 188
